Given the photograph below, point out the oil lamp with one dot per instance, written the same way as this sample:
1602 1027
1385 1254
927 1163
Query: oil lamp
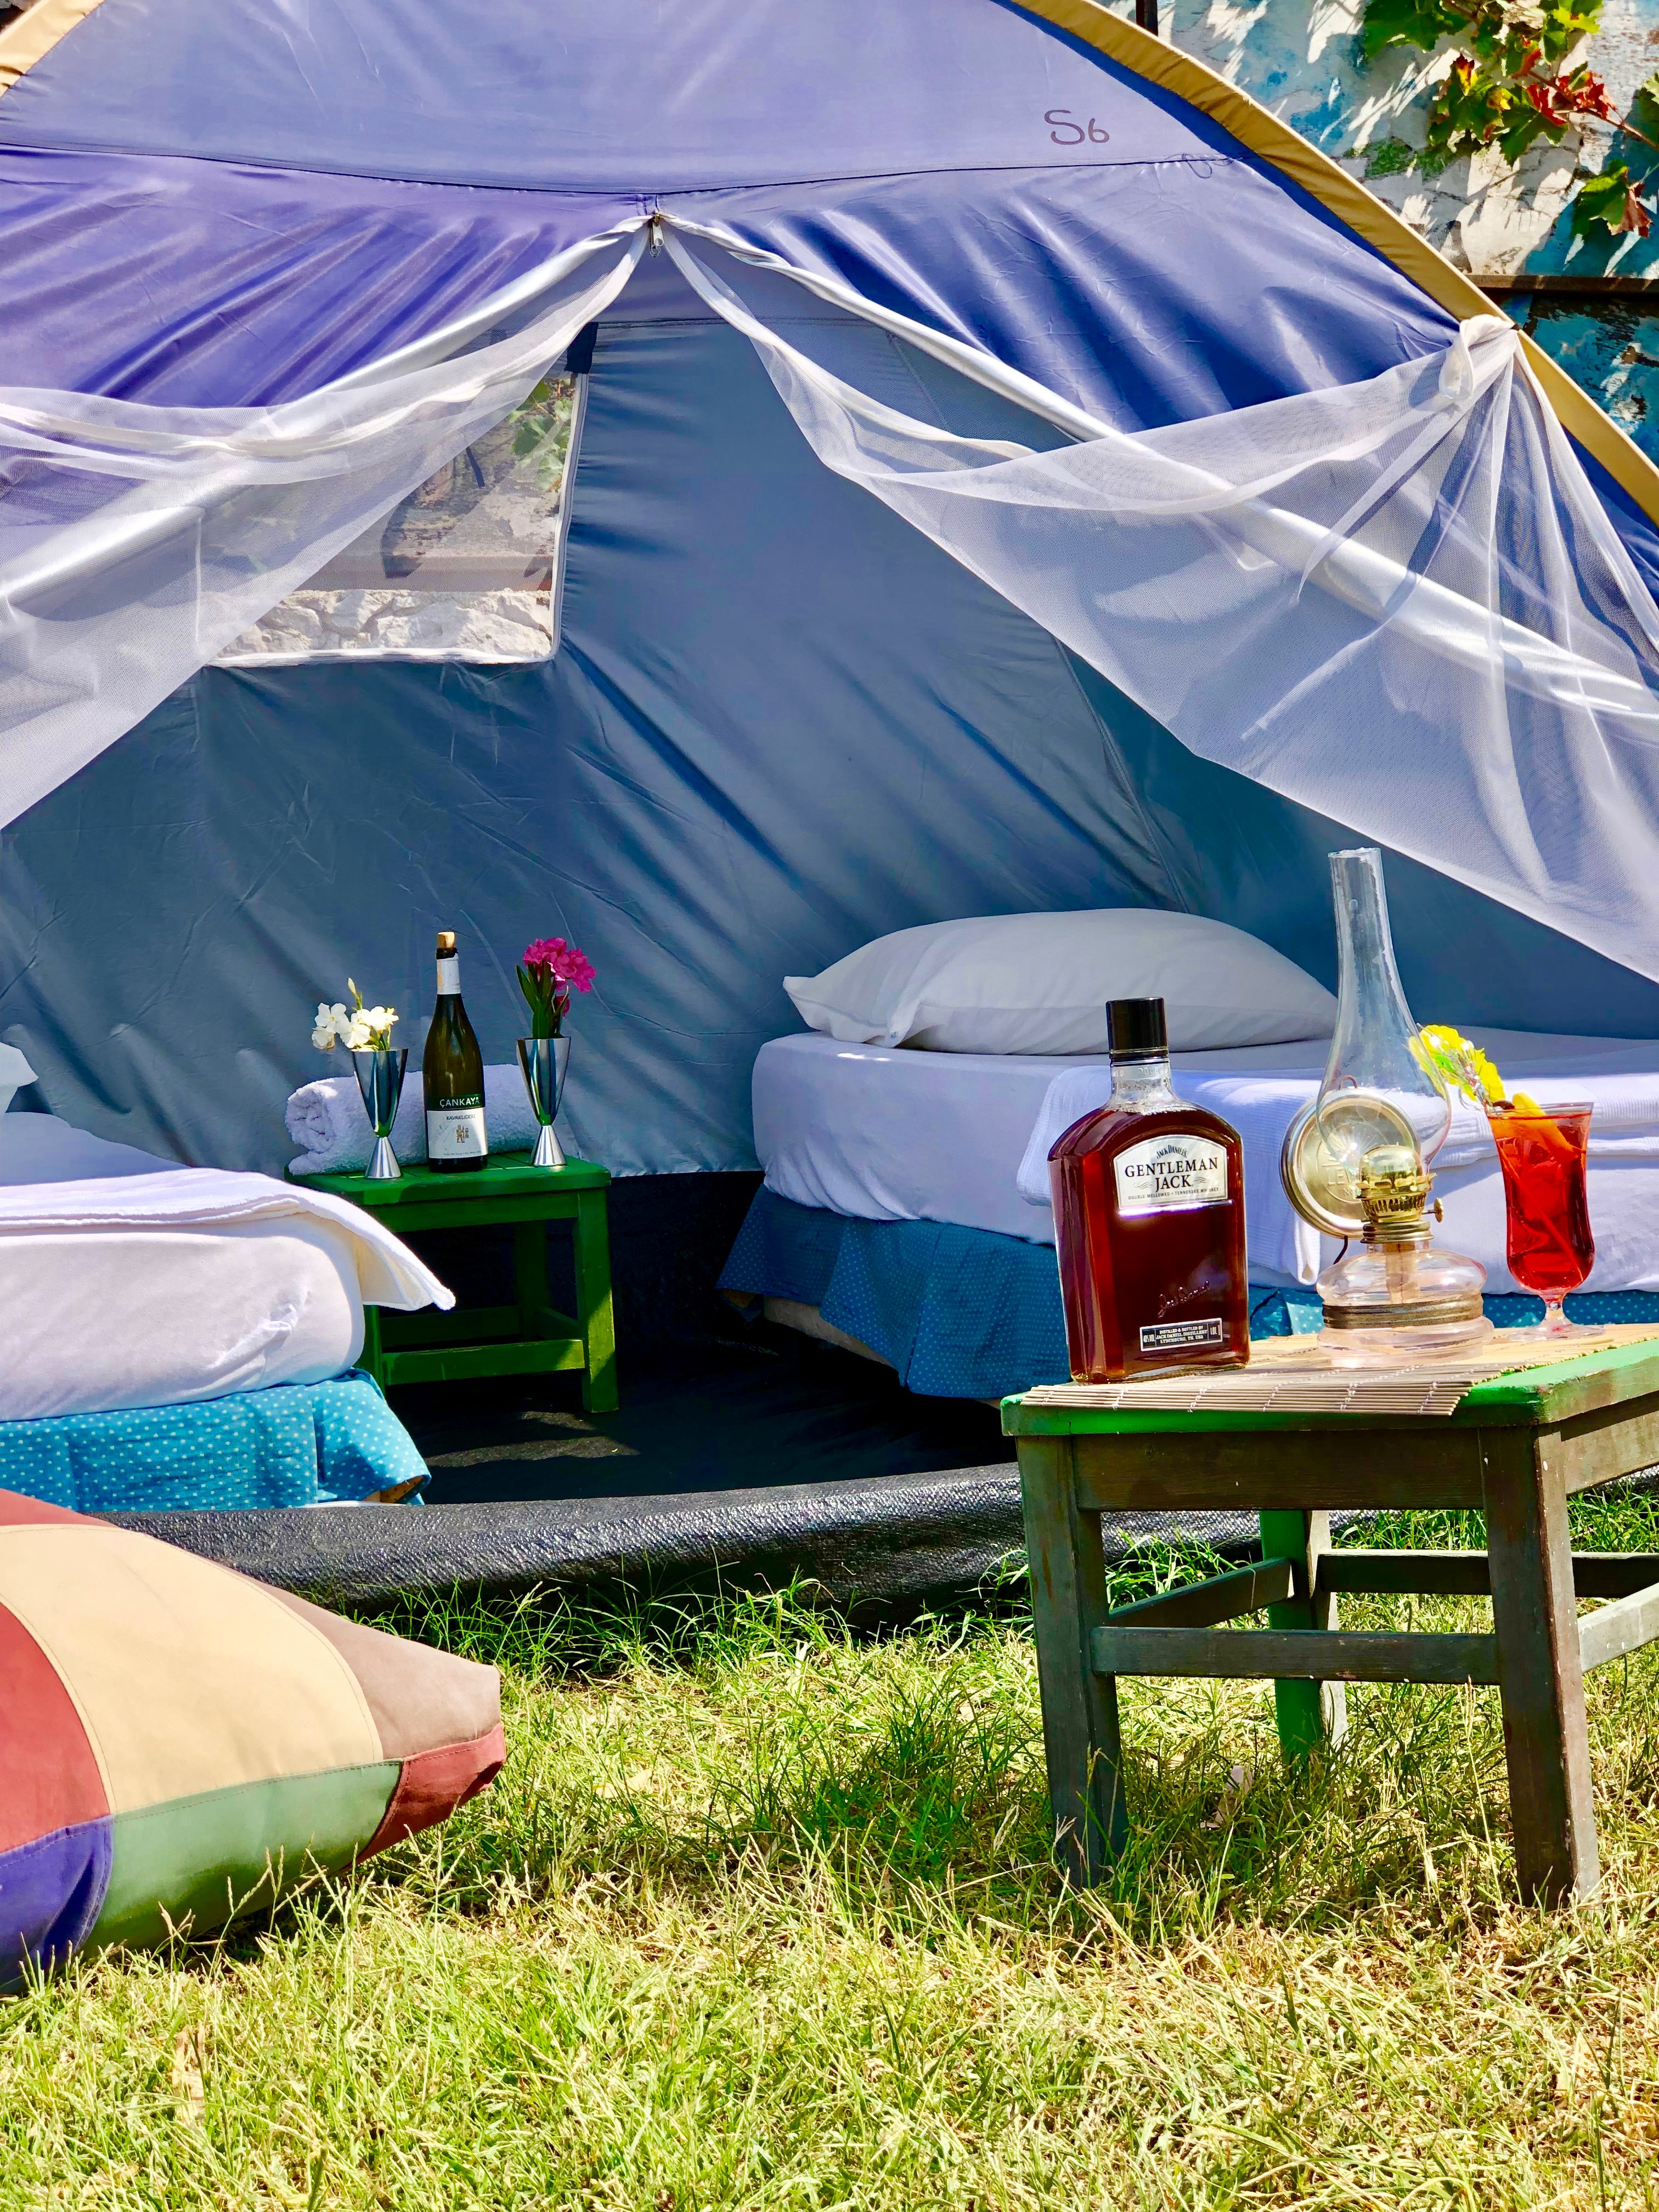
1355 1163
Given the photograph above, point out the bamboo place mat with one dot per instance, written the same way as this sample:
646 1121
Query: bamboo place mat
1297 1375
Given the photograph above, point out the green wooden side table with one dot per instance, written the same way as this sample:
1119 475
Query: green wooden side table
529 1337
1516 1449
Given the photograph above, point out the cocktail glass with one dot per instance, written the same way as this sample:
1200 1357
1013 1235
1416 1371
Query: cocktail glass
1551 1249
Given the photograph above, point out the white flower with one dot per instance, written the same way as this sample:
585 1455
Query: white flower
357 1035
378 1018
332 1022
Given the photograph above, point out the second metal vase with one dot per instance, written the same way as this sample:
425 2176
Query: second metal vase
543 1062
380 1080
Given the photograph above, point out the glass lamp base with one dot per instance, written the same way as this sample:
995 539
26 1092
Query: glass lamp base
1403 1346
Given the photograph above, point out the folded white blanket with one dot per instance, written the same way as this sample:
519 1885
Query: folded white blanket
326 1120
388 1272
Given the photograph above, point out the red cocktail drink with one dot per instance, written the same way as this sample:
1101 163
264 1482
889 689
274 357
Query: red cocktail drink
1551 1249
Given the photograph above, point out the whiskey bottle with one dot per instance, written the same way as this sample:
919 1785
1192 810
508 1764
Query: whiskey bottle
1149 1220
451 1073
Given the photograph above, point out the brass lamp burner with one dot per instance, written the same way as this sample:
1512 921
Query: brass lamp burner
1394 1194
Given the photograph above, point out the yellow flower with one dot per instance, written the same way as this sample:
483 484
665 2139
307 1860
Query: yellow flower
1461 1064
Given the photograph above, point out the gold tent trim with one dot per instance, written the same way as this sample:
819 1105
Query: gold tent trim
1248 121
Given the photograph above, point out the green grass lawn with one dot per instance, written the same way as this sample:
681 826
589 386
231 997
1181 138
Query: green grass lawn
760 1914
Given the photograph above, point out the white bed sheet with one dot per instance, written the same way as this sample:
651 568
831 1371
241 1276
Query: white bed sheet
126 1281
892 1135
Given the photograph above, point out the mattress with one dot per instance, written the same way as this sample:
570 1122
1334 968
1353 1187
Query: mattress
129 1281
883 1134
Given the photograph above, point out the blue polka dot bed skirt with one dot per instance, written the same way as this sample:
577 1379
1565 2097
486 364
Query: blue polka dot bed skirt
963 1313
297 1444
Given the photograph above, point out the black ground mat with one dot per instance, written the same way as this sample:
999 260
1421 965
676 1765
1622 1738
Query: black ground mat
882 1540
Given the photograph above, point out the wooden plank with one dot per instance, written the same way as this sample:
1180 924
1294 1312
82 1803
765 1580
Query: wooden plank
1619 1629
1600 1446
504 1208
1541 1675
1080 1707
1309 1655
1553 1394
1613 1574
1466 1574
1444 1574
464 1363
1201 1604
1019 1419
464 1196
595 1315
1258 1472
404 1332
1312 1713
1548 1394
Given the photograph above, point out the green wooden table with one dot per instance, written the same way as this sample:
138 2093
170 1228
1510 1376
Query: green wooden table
528 1337
1515 1449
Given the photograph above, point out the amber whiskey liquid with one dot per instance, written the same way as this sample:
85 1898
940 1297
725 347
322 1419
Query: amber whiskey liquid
1149 1222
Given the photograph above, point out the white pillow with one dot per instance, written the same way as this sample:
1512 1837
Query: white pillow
15 1072
1039 983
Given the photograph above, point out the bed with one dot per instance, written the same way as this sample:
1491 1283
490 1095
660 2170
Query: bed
187 1337
905 1204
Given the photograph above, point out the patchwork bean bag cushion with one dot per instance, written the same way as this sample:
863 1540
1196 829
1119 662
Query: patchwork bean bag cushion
179 1744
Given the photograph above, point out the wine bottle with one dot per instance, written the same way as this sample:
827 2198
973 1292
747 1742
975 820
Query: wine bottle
452 1074
1149 1220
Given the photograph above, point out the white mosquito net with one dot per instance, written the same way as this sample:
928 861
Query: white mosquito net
1400 601
137 543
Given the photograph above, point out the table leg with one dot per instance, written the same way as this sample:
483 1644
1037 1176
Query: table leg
529 1278
1080 1707
1540 1677
1309 1714
594 1314
372 1360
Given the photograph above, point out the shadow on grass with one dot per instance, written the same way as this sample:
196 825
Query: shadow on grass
911 1766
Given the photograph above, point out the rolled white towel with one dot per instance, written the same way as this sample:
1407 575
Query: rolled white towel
326 1120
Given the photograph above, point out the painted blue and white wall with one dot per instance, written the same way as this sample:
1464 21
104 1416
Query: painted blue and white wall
1305 65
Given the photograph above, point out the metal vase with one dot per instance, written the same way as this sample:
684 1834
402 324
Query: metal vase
380 1080
542 1061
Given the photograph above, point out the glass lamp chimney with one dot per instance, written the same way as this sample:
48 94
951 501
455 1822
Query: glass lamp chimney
1379 1088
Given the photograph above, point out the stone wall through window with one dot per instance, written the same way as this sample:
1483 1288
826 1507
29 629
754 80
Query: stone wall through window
467 567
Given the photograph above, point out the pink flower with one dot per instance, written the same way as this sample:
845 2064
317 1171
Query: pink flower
551 959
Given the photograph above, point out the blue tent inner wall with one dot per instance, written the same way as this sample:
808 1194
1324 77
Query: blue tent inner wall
781 723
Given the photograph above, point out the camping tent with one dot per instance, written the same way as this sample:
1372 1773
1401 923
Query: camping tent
1013 472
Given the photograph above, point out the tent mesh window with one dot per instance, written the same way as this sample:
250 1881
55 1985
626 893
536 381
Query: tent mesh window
469 567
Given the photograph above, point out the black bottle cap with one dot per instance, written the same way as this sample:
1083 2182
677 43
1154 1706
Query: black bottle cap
1135 1029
